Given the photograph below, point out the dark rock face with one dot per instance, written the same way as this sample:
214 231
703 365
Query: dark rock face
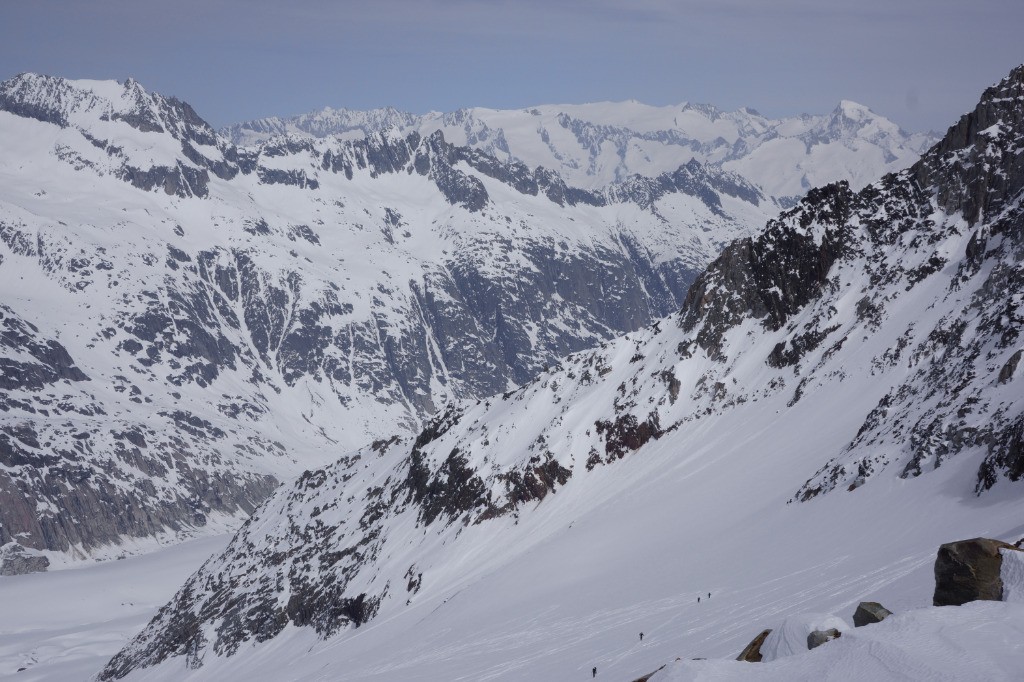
968 570
64 483
87 484
869 612
752 652
1006 456
693 179
14 560
819 637
774 275
51 361
987 136
27 97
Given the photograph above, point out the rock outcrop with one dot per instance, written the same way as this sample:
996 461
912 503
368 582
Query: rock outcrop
968 570
16 560
752 652
819 637
869 612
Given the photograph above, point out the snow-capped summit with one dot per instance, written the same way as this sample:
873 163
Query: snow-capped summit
143 138
89 104
849 121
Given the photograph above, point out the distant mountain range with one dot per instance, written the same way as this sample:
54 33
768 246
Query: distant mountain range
594 145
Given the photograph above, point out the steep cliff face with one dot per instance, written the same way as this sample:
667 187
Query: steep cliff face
870 331
188 322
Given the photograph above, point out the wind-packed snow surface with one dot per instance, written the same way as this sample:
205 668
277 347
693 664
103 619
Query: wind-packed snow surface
839 395
976 641
594 145
184 323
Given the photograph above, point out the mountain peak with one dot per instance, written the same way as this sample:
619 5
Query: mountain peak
853 110
977 169
710 111
64 101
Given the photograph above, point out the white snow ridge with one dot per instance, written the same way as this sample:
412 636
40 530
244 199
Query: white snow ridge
516 443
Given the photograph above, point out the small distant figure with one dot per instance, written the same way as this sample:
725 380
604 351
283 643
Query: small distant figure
593 673
709 595
641 636
698 600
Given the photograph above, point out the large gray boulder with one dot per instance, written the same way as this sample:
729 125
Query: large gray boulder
968 570
16 560
869 612
752 654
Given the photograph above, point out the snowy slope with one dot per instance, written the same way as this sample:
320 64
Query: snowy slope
185 323
839 395
63 625
594 145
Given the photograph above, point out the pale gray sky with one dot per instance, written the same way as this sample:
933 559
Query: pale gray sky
920 62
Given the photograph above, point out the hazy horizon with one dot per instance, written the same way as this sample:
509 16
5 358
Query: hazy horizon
920 63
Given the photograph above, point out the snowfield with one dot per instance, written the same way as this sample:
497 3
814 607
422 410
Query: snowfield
65 624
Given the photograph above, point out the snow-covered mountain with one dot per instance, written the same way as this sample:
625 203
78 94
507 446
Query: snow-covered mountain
594 145
838 395
184 322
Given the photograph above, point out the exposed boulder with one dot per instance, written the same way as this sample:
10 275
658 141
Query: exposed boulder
968 570
752 654
792 635
869 612
819 637
16 560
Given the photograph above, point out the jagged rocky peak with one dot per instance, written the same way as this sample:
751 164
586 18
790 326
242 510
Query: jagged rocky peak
113 127
709 111
978 167
83 102
327 122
